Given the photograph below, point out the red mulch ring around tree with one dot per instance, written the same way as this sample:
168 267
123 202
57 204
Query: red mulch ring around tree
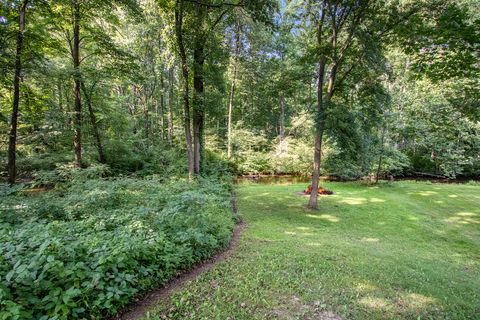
321 190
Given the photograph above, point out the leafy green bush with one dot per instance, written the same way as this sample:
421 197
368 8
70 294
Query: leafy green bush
69 173
43 161
121 156
86 250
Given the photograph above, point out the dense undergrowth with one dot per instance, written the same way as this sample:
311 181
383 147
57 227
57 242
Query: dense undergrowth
85 248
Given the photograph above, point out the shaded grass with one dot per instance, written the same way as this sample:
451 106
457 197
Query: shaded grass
395 251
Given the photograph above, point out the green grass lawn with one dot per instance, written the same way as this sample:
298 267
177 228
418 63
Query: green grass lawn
398 251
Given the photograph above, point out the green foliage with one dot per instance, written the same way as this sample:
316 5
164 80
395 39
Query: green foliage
394 162
6 189
88 249
69 174
292 155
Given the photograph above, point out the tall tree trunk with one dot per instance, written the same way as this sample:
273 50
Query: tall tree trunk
199 87
162 105
323 103
198 106
229 120
319 120
171 99
93 120
319 127
185 74
12 142
77 123
232 92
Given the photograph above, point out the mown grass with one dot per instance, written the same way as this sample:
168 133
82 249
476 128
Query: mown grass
396 251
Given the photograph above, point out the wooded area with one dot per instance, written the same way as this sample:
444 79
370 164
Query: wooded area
389 87
203 90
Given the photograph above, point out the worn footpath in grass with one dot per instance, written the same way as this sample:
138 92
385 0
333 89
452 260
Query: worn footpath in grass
396 251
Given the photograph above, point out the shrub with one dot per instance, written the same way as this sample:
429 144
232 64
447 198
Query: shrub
86 250
69 173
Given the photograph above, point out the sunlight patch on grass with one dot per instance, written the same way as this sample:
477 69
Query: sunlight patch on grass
467 214
415 301
463 218
353 201
303 228
327 217
366 239
375 303
424 193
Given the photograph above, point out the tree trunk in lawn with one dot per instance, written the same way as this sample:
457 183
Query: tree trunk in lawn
322 115
93 120
319 124
12 142
77 122
232 92
319 127
185 73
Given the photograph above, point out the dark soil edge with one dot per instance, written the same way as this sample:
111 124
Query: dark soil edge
142 304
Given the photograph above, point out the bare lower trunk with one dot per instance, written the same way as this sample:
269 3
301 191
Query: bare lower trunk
229 120
77 122
380 158
317 156
93 121
322 108
198 108
170 105
185 73
12 142
162 106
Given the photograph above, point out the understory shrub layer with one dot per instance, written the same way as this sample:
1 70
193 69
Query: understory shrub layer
84 251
